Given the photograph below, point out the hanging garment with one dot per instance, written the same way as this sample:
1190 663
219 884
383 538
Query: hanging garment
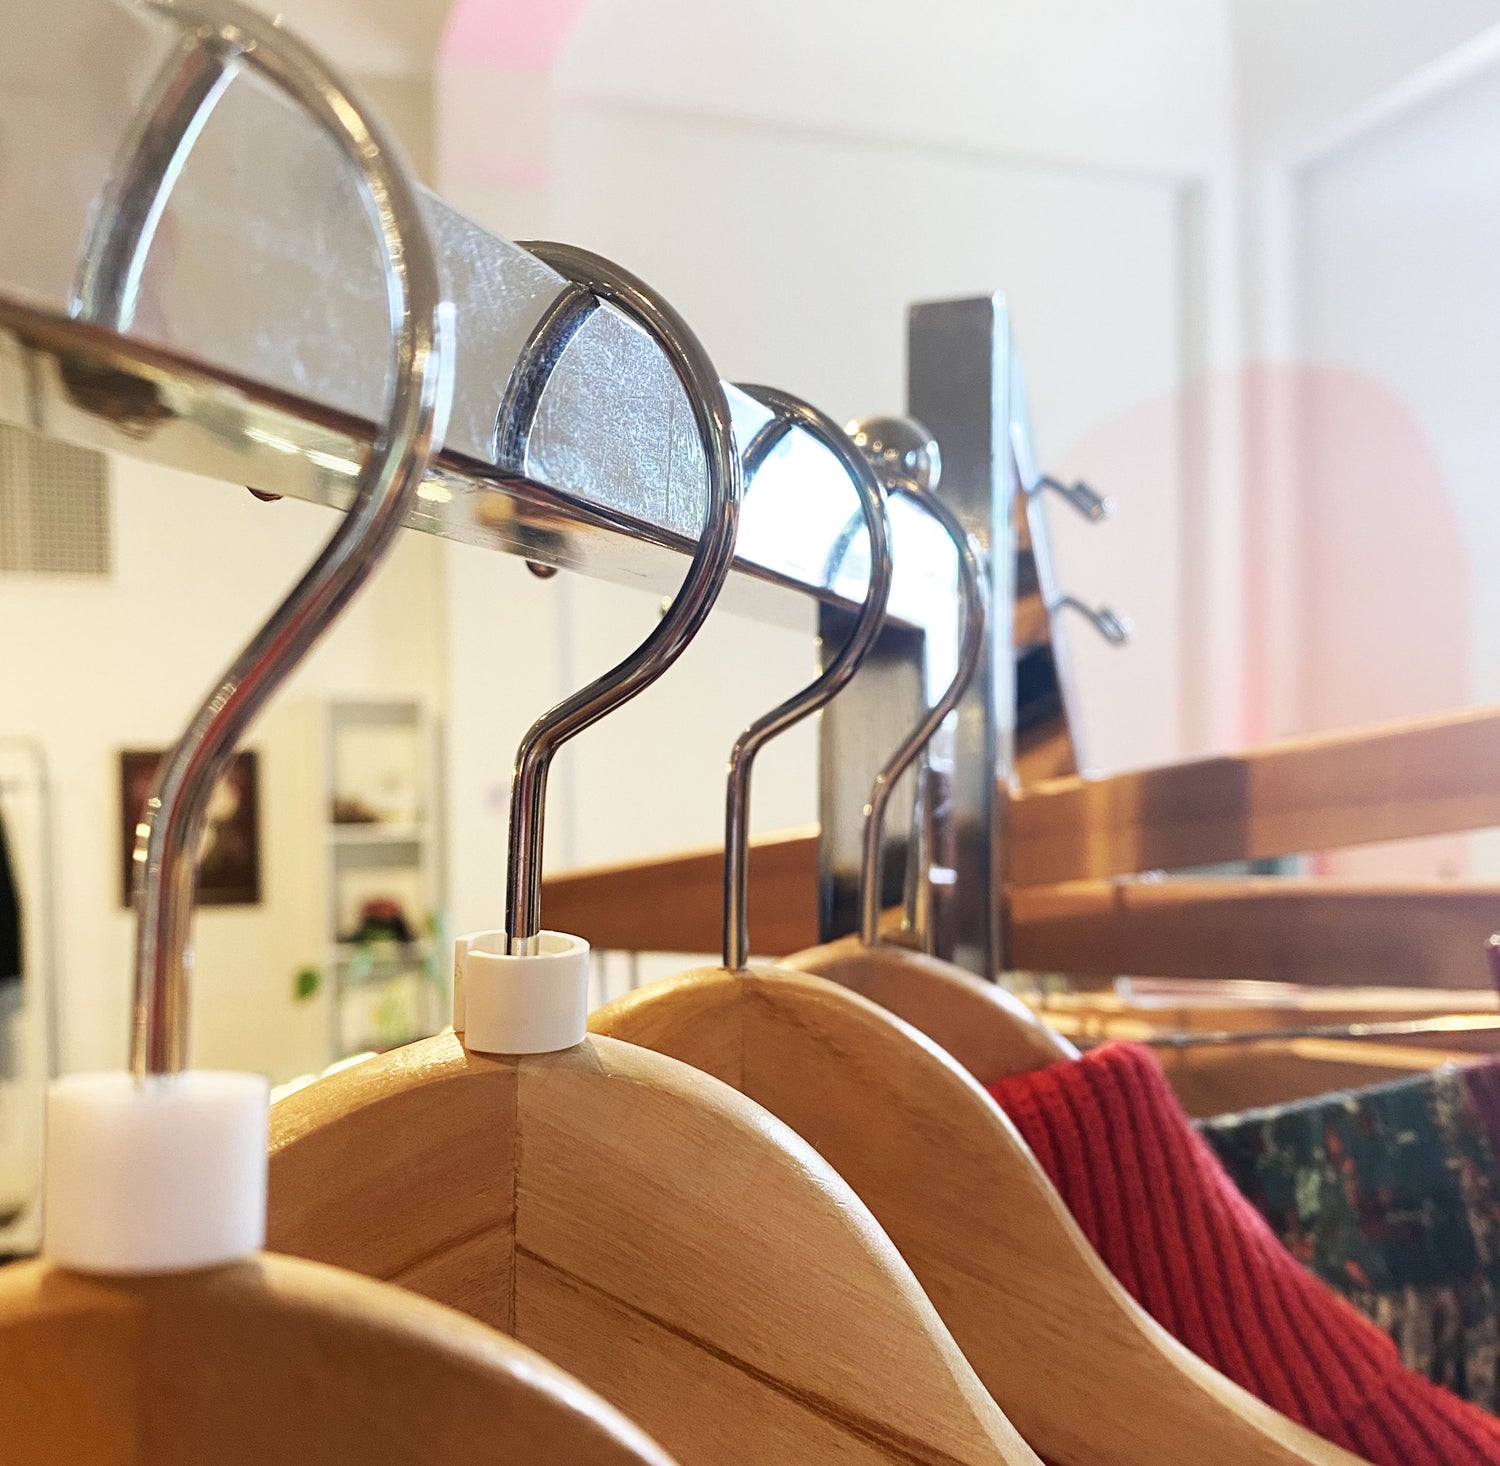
1153 1200
1391 1195
11 963
10 918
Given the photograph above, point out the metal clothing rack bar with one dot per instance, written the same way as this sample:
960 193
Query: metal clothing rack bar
255 352
1395 1028
250 348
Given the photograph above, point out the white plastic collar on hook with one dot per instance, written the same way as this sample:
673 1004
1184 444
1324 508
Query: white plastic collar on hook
162 1175
521 1005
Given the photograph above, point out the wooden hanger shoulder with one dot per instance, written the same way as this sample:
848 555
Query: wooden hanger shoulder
1084 1372
992 1033
231 1365
648 1229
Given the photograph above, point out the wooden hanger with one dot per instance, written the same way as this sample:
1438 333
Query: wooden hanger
277 1360
1084 1372
640 1223
990 1031
153 1332
647 1229
1073 1361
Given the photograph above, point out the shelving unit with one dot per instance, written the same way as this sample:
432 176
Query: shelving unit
386 936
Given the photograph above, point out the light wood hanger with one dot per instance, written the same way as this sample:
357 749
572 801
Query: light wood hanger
1079 1367
153 1332
640 1223
274 1360
1084 1372
647 1229
989 1031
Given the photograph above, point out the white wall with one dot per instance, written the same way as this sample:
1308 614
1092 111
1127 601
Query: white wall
1304 67
792 212
799 284
1118 85
1398 233
1364 134
91 668
1308 74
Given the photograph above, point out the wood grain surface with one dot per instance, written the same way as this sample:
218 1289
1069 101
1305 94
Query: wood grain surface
1084 1372
648 1229
278 1361
1430 777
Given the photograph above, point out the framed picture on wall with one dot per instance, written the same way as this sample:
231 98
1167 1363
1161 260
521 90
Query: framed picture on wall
229 855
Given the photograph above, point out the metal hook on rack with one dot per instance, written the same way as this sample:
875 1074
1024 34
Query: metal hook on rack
594 280
1376 1029
1089 502
791 412
225 35
896 465
1114 628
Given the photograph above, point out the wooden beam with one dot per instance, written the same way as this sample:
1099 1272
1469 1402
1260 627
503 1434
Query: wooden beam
1319 933
1423 778
1223 1081
675 903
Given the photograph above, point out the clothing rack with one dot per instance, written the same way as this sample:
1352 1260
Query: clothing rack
569 439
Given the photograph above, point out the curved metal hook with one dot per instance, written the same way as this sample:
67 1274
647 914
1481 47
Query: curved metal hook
179 101
1078 496
167 839
1114 628
791 412
689 608
973 609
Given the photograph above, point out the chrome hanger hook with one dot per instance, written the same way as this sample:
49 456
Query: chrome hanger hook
973 614
710 566
790 412
227 35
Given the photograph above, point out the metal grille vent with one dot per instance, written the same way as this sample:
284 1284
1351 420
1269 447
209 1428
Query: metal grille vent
54 507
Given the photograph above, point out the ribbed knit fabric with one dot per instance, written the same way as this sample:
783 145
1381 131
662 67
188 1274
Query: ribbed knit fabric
1165 1217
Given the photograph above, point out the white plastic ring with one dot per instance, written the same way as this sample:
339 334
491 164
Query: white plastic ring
162 1175
521 1005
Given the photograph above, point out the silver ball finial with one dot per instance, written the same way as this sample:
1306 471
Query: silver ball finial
899 447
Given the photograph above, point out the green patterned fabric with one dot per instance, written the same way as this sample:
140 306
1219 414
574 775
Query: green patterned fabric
1391 1195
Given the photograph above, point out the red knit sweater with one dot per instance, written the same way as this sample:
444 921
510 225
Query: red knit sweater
1162 1213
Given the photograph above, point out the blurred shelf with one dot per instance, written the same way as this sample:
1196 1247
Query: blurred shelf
380 754
360 972
377 833
417 951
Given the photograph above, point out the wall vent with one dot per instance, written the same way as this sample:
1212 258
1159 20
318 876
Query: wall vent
54 507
